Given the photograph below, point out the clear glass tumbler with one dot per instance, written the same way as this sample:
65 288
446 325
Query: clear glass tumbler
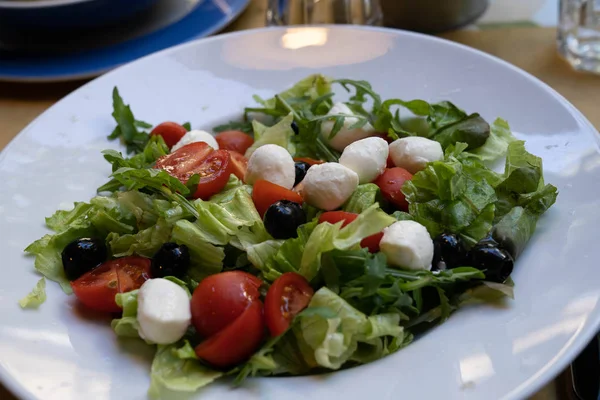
299 12
579 33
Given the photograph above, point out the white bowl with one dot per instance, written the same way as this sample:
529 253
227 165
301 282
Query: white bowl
480 353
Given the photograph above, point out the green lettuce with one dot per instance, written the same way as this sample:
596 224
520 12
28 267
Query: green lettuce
280 134
176 368
496 145
36 297
363 197
127 325
336 340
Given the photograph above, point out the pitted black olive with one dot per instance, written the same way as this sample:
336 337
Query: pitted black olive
171 259
448 252
283 218
496 262
301 169
83 255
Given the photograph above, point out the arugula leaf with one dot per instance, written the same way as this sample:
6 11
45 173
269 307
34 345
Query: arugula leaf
36 297
244 126
497 143
472 130
127 126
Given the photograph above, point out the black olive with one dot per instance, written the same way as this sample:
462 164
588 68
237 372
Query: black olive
171 259
301 169
497 262
283 218
83 255
448 252
295 128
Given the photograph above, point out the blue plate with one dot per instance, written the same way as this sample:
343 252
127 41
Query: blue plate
208 17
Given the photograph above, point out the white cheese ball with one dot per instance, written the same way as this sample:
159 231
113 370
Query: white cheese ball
345 136
407 244
414 152
196 136
163 311
367 157
327 186
272 163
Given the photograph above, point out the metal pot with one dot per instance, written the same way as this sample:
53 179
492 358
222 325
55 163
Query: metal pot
431 15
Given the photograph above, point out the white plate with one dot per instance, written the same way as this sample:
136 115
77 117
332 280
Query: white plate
480 353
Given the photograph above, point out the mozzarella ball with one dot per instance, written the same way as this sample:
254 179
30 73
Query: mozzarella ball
367 157
327 186
414 152
407 244
196 136
163 311
272 163
345 136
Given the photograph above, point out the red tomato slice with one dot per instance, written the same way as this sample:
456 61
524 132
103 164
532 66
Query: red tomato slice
234 140
287 296
214 173
370 242
237 341
171 132
265 193
183 160
239 164
97 288
390 183
221 298
309 161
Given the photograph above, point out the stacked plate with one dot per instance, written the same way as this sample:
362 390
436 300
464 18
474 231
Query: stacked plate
53 40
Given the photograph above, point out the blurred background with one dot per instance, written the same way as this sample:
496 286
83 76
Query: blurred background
48 48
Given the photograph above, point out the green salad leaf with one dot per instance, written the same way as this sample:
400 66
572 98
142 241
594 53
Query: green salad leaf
363 197
36 297
127 126
175 369
127 325
280 134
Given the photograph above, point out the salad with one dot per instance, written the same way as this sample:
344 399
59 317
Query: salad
308 236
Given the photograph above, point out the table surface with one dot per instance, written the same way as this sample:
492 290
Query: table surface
532 49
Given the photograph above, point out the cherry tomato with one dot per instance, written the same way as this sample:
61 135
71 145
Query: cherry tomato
310 161
265 193
235 141
97 288
171 132
239 164
390 183
183 160
370 242
214 173
287 296
237 341
221 298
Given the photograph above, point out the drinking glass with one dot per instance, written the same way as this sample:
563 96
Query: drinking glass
579 33
298 12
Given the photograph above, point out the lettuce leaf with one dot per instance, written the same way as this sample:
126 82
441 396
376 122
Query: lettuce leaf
175 368
363 197
36 297
280 134
334 341
497 143
127 325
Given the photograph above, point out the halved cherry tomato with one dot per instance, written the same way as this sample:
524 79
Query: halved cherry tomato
237 341
309 161
287 296
97 288
183 160
234 140
214 173
239 164
390 183
171 132
370 242
221 298
265 193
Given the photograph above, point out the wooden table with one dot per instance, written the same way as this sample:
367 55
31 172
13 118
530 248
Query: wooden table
532 49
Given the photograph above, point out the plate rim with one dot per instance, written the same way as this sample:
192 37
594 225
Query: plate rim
545 374
223 21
